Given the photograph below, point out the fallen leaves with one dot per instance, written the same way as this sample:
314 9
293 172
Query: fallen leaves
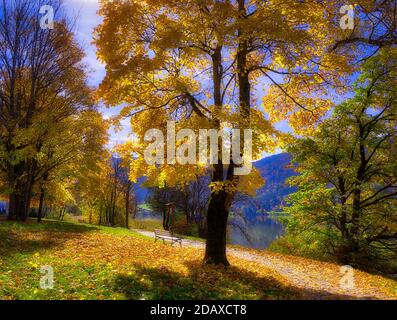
96 264
327 275
105 263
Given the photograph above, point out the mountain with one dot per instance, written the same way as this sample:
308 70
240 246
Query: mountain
141 192
275 171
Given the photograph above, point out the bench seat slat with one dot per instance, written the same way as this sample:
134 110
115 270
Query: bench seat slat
166 235
171 238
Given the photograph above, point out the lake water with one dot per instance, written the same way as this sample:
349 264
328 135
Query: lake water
3 207
257 233
143 214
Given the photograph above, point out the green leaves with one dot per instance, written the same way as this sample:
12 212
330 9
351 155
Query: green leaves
348 168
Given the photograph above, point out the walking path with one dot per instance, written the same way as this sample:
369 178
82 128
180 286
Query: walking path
319 277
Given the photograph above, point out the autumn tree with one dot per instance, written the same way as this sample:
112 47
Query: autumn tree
128 192
70 153
207 70
93 171
348 171
191 200
105 193
42 85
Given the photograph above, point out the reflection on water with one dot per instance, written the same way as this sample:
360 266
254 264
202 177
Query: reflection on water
256 233
144 214
3 208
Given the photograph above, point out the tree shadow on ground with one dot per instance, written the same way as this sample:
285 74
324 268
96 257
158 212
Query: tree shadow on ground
26 238
209 283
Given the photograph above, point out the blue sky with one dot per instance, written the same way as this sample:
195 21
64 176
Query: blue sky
87 20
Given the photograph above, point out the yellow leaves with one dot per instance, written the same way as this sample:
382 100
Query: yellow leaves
96 264
249 184
229 187
33 264
279 60
302 112
156 53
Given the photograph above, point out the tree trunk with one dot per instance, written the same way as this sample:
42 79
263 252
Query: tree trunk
127 207
62 213
218 209
46 209
41 201
26 188
18 206
166 219
42 194
107 214
100 215
220 203
12 206
113 204
218 213
17 197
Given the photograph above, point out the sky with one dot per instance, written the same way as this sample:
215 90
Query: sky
87 20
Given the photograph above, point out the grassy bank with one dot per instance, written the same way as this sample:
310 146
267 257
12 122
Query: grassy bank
91 262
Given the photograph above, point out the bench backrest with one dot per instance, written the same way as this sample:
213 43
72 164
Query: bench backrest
162 233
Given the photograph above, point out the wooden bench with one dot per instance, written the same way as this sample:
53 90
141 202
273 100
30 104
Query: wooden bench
166 236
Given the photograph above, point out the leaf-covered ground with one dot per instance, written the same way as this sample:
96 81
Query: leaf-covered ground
316 279
104 263
322 278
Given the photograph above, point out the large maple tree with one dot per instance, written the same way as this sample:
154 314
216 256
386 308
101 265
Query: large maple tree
209 64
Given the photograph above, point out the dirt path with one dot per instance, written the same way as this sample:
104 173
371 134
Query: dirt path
313 276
